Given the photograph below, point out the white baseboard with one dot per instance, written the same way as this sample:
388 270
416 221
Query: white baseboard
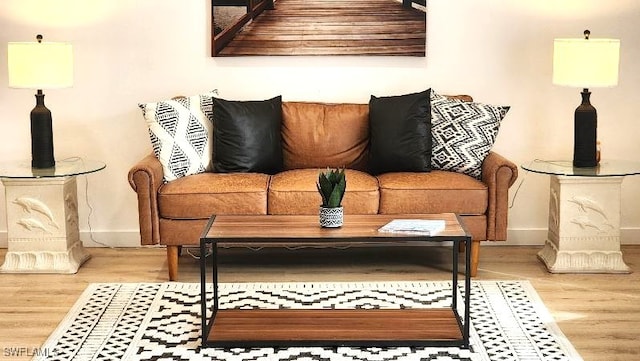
515 237
111 239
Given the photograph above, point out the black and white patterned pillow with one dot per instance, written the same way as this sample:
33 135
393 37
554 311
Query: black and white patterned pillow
462 133
180 130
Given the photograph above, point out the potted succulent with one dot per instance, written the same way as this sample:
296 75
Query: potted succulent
331 186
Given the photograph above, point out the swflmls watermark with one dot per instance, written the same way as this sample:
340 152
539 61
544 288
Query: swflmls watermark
27 352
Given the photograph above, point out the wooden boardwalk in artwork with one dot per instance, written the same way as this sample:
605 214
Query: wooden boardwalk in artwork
333 27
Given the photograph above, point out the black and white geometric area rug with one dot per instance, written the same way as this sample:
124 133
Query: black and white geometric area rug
161 321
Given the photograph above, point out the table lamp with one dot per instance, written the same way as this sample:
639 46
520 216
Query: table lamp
40 65
585 63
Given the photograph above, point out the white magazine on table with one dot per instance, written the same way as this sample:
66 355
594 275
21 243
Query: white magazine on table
427 227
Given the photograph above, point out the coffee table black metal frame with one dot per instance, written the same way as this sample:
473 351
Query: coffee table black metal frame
384 239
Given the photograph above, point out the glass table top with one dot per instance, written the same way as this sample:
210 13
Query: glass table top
63 168
606 168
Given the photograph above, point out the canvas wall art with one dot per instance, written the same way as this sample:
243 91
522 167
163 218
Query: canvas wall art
318 27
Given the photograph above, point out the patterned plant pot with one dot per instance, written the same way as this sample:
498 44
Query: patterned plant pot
331 217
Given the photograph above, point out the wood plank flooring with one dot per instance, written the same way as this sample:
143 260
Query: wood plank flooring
599 314
333 27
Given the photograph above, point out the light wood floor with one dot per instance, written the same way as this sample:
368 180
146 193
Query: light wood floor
599 314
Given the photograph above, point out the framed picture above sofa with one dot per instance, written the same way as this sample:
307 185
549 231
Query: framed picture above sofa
318 27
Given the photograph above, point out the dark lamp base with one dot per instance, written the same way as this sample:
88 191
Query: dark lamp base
585 134
41 135
584 164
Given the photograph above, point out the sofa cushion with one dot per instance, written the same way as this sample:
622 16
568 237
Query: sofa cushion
246 136
295 192
180 132
463 133
400 129
317 135
433 192
201 195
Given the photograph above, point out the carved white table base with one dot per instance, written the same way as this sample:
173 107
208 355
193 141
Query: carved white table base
42 225
584 226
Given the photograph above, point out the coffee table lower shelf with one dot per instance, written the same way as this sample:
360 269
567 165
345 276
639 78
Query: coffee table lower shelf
331 327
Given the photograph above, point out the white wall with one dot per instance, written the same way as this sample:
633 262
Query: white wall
499 51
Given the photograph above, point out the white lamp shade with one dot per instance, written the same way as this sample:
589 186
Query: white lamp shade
586 63
43 65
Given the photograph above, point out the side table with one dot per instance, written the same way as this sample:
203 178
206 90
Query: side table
42 216
584 216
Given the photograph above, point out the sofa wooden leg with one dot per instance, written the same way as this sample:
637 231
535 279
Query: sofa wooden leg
475 257
172 262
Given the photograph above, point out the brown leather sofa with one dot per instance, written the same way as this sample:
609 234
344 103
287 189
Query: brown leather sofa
316 136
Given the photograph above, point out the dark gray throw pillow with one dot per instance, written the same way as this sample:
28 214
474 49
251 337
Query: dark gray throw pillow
400 133
246 136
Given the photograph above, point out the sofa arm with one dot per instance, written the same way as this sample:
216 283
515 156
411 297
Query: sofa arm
498 173
146 177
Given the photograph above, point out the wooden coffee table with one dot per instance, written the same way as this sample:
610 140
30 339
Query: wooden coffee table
330 327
